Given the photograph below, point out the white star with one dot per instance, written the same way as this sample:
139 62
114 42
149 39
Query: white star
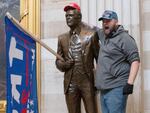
31 102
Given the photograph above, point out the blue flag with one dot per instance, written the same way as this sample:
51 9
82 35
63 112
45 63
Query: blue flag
21 70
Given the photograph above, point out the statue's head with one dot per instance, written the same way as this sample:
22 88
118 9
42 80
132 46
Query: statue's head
73 14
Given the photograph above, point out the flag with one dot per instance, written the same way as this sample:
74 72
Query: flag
20 70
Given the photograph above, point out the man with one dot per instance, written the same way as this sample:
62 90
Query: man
117 66
79 47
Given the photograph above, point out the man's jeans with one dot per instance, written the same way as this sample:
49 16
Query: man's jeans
113 100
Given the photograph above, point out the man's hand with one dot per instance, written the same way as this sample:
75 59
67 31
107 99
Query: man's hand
128 89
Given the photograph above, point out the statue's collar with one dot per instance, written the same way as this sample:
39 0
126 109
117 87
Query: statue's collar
77 30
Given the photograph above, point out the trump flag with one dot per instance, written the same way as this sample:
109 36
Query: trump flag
20 69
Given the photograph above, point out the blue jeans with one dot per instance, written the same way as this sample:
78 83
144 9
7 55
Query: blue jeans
113 100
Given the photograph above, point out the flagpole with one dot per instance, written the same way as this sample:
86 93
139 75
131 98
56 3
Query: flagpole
34 37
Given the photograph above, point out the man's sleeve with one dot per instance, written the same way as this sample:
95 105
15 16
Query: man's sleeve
130 48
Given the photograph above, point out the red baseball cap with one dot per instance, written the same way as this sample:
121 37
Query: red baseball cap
72 6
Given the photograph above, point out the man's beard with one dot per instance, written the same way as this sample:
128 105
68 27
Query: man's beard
109 30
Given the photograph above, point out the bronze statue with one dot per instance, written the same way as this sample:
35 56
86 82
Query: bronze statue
79 47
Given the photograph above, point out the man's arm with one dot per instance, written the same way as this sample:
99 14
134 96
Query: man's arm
133 72
130 49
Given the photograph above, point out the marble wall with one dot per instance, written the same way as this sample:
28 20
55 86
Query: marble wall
146 53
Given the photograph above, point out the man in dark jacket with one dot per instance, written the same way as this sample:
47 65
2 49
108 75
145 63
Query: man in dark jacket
117 66
79 47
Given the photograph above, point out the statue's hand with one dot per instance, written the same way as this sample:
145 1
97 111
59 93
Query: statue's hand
68 64
65 65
